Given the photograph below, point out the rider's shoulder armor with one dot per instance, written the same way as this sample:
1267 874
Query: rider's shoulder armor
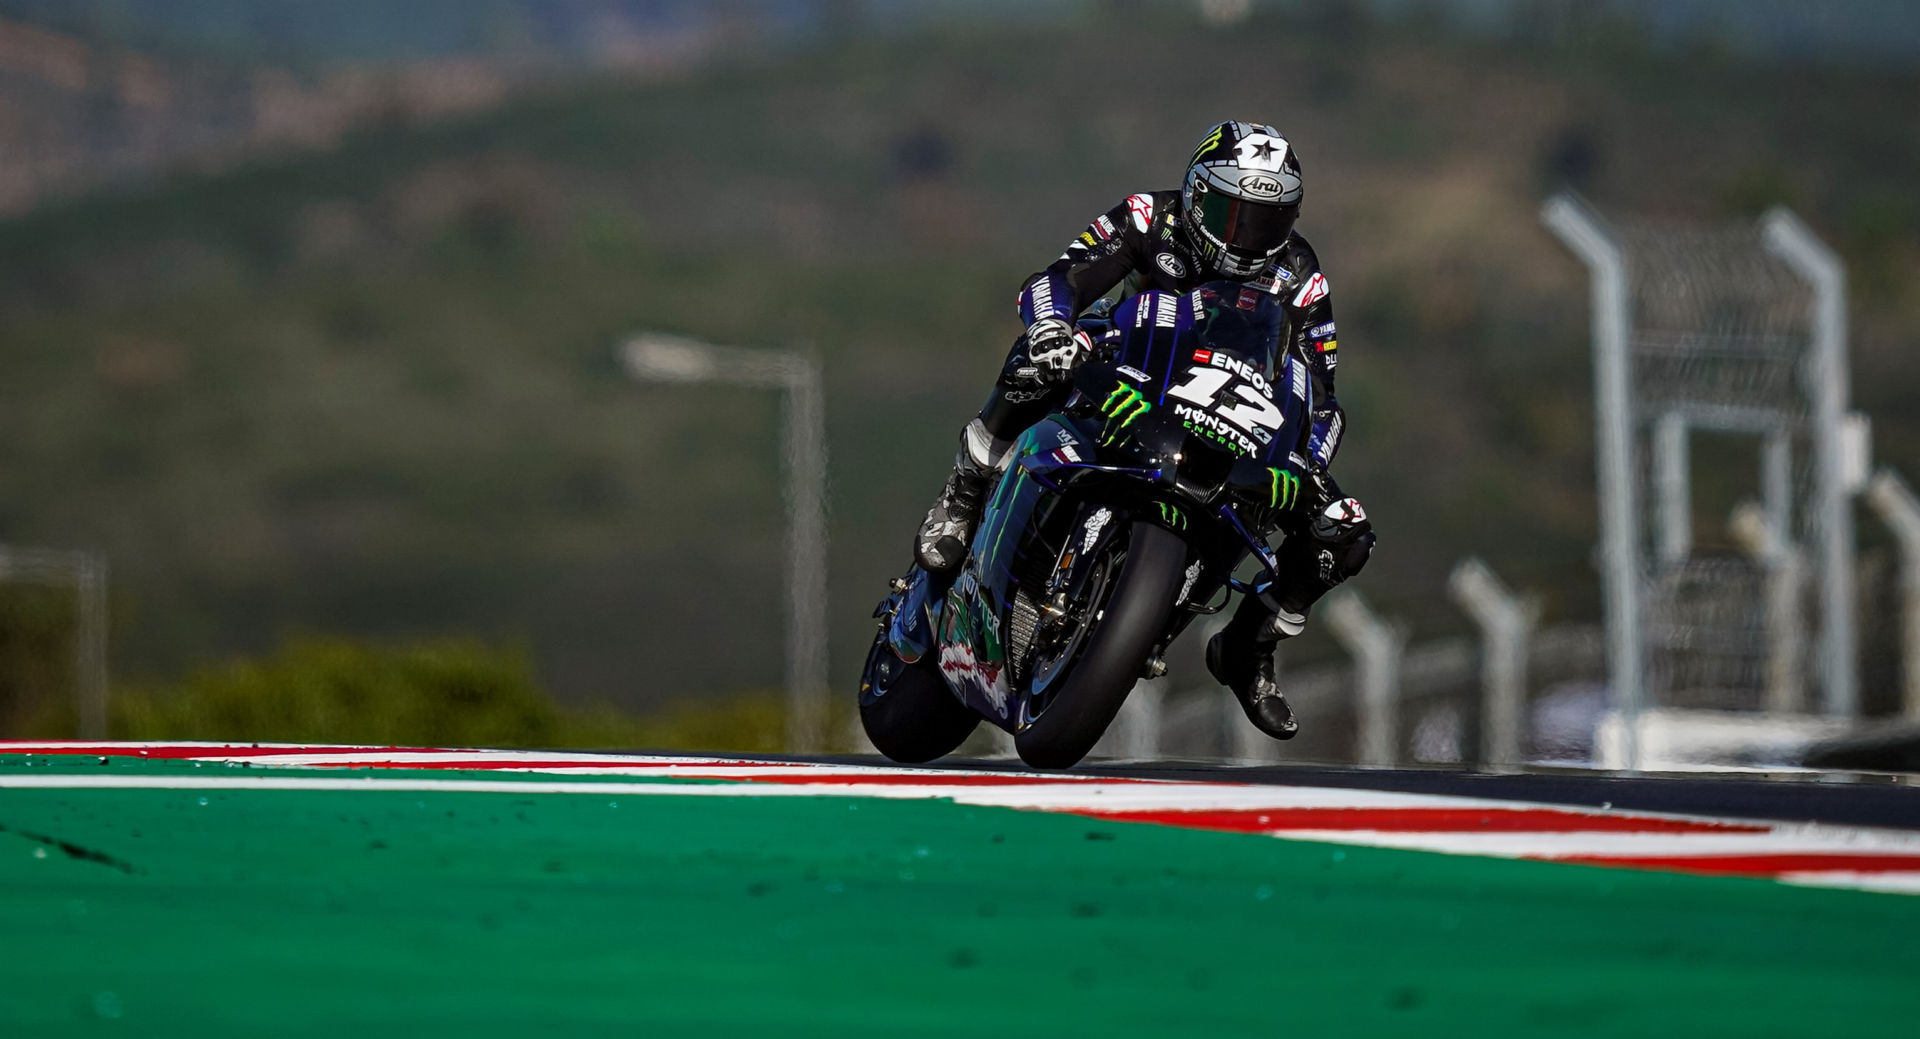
1162 259
1166 260
1295 275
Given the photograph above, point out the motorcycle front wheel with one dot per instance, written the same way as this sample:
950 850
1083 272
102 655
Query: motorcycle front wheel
908 711
1120 634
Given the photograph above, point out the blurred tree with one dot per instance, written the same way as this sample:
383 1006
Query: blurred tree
454 693
36 661
1571 159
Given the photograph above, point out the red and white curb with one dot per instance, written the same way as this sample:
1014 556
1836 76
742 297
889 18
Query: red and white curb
1798 853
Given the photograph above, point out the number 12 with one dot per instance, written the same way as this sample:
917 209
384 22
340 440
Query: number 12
1254 412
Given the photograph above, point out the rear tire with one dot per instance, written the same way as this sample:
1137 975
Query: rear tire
908 711
1135 618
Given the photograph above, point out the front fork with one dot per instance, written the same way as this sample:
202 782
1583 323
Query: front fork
910 613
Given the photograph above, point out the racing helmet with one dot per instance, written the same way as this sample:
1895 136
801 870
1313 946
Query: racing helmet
1240 198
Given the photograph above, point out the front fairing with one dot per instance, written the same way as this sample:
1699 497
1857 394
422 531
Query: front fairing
973 649
1198 387
1166 425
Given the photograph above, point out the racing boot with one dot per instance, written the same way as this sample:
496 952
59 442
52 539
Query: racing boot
1242 660
947 532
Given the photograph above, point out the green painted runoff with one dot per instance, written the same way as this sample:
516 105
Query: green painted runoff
190 912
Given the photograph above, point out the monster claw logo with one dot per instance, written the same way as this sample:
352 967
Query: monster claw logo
1211 142
1286 489
1172 516
1125 404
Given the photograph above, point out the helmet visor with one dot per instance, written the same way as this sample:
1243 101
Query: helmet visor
1246 227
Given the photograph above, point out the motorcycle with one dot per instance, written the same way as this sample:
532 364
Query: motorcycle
1119 518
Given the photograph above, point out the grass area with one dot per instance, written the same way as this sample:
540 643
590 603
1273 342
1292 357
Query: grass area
373 391
177 912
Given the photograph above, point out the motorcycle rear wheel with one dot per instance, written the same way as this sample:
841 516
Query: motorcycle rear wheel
1131 621
908 711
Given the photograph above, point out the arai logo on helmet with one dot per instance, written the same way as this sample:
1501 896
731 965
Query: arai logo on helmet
1171 264
1259 185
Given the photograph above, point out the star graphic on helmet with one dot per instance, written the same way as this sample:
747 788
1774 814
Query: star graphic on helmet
1263 149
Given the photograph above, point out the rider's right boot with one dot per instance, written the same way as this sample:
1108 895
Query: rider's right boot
944 537
1242 660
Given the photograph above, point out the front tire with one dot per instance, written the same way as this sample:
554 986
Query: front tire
908 711
1134 619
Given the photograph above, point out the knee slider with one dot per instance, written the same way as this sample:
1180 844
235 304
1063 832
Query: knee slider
1343 541
1345 561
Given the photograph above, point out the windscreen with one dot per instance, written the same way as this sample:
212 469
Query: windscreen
1239 318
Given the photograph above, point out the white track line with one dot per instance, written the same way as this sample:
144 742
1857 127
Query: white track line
296 767
1889 883
1802 840
1044 797
1042 794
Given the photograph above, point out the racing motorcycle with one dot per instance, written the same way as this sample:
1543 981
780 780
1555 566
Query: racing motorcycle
1119 519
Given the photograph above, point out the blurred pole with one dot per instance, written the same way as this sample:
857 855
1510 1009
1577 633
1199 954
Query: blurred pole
90 643
86 574
654 357
1141 719
1376 645
1506 623
1673 482
1762 537
805 448
1583 232
1900 511
1799 248
1134 733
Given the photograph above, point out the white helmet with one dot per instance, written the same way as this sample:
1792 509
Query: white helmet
1240 197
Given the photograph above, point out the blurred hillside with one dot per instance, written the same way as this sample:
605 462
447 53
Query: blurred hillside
93 93
372 391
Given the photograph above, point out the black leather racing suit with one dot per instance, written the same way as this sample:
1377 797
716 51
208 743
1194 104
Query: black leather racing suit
1139 245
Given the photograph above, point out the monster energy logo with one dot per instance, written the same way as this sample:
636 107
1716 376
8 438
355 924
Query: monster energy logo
1286 488
1125 404
1211 142
1172 516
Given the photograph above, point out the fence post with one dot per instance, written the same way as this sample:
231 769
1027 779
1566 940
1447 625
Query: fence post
1900 511
1588 236
1797 246
1506 623
1139 723
1376 646
1761 535
90 642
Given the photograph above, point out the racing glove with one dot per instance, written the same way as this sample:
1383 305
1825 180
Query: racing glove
1055 348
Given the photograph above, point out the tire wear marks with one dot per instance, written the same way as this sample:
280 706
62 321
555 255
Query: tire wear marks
72 850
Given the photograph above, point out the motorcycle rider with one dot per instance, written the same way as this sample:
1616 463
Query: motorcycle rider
1232 218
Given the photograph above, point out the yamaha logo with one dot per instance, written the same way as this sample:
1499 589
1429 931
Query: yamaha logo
1260 185
1171 264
